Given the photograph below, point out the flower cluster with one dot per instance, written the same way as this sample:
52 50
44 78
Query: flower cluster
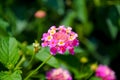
58 74
105 73
60 39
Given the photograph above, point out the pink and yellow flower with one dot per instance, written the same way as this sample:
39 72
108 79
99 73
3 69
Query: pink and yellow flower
68 30
60 39
105 73
61 43
49 38
58 74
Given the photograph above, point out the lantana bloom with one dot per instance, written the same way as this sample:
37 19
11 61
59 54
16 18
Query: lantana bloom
60 39
58 74
105 73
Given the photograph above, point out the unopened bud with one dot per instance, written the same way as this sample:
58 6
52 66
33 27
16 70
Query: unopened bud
83 60
40 14
94 66
36 46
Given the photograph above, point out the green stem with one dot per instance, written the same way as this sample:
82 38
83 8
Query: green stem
89 46
89 76
81 68
33 55
20 62
38 68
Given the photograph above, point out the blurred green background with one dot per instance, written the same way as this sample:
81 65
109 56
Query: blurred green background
97 23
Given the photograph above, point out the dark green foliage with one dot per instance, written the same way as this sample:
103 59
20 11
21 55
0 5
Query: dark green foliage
97 23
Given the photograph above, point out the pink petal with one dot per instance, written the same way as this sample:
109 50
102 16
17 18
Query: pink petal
44 36
44 44
61 49
53 43
71 50
75 42
53 50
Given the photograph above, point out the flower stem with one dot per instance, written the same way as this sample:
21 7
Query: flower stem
81 68
92 50
89 76
33 55
20 62
38 68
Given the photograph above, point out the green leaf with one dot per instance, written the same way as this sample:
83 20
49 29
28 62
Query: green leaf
95 78
11 76
9 52
68 20
80 6
57 5
43 54
112 28
78 50
61 6
3 24
11 18
20 26
3 28
70 62
87 28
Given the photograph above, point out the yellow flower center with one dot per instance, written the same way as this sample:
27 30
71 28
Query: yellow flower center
60 43
52 32
53 28
49 38
71 38
68 30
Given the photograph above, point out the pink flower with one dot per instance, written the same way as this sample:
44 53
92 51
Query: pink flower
58 74
105 73
60 39
52 43
45 35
